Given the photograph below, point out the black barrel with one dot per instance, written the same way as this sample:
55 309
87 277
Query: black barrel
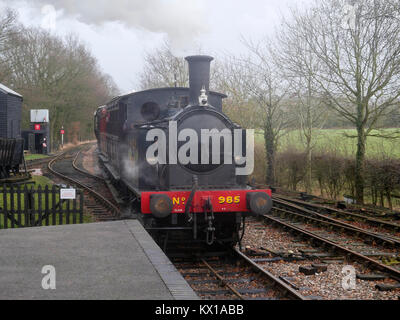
199 76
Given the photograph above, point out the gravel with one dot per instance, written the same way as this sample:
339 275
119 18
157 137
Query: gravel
89 161
325 285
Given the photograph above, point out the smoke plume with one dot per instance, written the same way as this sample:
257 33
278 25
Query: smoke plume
181 20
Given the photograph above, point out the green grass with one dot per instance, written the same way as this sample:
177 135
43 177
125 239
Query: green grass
35 157
337 141
42 182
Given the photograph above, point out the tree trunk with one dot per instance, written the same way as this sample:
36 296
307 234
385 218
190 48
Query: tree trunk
360 157
270 150
374 194
308 136
321 187
309 168
389 198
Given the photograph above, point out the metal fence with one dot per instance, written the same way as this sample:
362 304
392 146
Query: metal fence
23 206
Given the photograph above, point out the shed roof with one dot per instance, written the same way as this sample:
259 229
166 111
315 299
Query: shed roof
7 90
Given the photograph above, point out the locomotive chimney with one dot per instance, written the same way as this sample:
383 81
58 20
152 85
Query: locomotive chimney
199 77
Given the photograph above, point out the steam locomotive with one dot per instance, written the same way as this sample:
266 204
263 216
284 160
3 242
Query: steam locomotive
170 151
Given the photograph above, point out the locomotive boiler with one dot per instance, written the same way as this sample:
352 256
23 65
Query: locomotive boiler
181 163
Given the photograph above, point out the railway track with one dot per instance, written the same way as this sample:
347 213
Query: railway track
302 213
234 276
86 173
345 215
39 162
97 195
335 239
363 211
309 267
249 281
243 276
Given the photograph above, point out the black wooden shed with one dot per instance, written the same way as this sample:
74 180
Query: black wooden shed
10 113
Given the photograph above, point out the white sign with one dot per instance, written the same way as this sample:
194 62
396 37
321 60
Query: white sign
68 194
40 116
37 172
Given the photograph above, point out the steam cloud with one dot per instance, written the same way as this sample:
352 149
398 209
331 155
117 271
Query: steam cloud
181 20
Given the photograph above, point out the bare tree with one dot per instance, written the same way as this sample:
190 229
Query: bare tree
254 84
358 53
57 74
163 69
298 65
229 77
8 27
312 115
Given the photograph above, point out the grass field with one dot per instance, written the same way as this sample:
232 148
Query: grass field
42 181
337 140
35 157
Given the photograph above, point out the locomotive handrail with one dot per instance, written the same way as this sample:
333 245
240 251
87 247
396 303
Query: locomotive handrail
190 200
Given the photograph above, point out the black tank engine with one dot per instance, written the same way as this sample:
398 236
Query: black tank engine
147 145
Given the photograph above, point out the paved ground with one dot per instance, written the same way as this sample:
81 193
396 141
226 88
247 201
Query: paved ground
113 260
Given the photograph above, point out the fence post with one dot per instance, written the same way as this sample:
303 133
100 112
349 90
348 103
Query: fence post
5 206
53 205
74 209
61 214
31 205
67 216
81 207
26 205
40 213
12 210
46 204
19 206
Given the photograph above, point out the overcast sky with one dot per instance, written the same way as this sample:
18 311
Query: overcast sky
119 32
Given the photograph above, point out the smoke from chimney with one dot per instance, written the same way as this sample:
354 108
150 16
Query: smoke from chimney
176 18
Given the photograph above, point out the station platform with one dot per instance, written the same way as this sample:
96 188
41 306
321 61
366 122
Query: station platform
108 261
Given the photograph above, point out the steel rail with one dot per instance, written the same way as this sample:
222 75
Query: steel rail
74 164
279 284
110 206
223 281
395 273
334 222
382 223
36 162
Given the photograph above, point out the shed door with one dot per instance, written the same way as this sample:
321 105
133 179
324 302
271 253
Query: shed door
31 140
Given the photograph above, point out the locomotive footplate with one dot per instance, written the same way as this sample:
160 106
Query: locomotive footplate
222 201
203 215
